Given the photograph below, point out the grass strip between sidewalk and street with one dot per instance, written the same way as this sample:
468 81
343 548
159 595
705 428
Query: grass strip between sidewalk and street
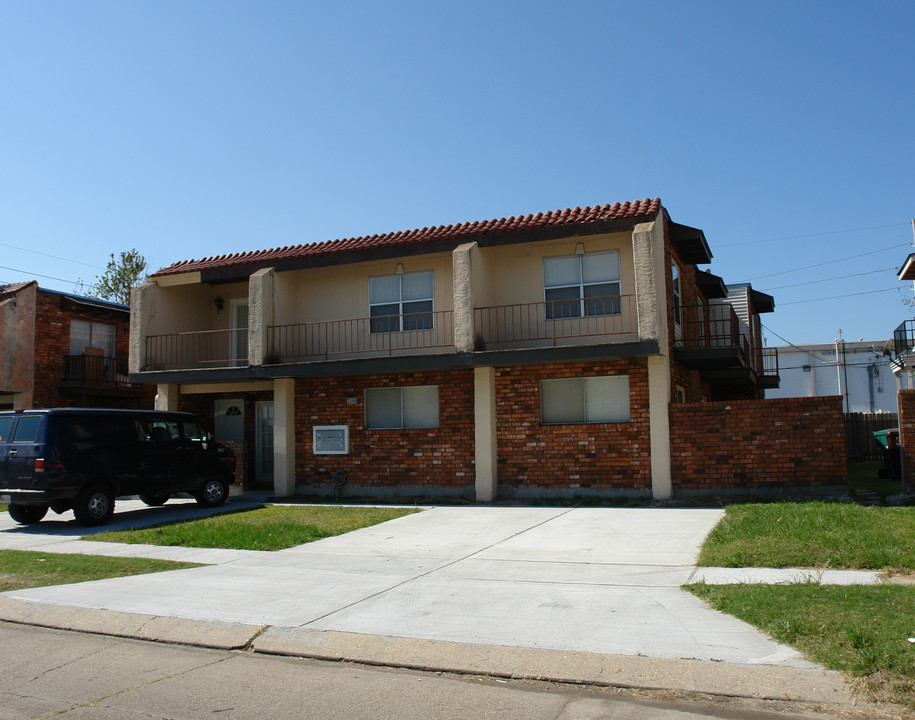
859 630
21 569
272 527
812 535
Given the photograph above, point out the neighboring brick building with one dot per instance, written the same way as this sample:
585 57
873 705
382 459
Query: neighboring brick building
63 350
530 356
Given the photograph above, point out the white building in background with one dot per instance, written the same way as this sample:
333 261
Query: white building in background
858 371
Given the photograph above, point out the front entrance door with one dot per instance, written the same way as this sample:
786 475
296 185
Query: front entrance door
238 338
263 444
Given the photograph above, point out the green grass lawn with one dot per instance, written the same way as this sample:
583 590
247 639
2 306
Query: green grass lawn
274 527
813 534
25 568
861 631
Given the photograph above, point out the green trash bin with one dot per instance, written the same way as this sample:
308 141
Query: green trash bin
889 439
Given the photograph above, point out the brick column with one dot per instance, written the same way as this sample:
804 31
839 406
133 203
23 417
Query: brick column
907 434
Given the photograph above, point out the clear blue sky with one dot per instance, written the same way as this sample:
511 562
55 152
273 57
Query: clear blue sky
187 129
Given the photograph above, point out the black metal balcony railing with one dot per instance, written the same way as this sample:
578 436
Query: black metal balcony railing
555 320
205 349
363 337
717 327
86 370
904 338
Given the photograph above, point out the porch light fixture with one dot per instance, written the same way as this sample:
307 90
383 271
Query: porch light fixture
399 269
219 303
580 249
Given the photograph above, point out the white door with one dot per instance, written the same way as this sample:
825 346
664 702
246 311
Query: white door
230 420
238 338
263 444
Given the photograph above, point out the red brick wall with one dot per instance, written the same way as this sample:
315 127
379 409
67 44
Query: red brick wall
907 434
52 343
758 445
541 459
388 461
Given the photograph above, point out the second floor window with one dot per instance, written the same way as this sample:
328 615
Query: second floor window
402 302
85 334
582 285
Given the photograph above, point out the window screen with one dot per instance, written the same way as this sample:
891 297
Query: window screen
402 407
584 400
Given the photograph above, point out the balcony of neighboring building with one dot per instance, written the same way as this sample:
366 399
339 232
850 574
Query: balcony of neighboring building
94 373
709 338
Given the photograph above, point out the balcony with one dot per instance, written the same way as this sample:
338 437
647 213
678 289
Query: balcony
904 339
379 336
709 339
92 374
190 350
556 322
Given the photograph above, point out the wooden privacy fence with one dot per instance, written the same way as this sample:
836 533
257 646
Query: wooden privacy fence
859 434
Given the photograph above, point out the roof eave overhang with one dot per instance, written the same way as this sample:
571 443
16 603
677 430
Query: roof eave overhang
762 303
711 285
690 244
907 272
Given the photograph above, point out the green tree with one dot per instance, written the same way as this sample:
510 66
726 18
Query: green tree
123 273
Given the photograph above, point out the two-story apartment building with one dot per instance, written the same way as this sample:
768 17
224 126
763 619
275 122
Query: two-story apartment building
529 356
63 350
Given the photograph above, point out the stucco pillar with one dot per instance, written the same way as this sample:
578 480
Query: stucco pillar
260 314
659 426
484 433
650 282
167 395
284 437
462 261
140 308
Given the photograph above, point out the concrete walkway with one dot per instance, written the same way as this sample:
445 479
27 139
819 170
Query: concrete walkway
580 594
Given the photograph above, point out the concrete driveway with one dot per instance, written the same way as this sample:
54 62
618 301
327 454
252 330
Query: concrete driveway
592 580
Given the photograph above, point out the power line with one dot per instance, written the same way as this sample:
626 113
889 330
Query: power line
830 262
53 257
838 277
810 235
792 344
48 277
836 297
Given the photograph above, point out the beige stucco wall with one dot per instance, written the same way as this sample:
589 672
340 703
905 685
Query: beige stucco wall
511 274
342 292
188 308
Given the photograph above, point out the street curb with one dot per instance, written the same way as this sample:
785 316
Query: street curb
761 682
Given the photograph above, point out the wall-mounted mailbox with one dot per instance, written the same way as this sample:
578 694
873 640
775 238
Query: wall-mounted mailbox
330 439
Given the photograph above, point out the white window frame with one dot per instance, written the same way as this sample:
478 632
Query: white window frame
94 328
622 416
404 394
585 308
396 322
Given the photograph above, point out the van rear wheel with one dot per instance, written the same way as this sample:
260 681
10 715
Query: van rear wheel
214 492
94 506
28 514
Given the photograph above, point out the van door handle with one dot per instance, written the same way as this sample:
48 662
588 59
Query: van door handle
12 452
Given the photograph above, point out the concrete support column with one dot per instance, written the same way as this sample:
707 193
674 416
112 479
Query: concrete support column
650 282
284 437
484 433
463 259
260 314
659 424
167 395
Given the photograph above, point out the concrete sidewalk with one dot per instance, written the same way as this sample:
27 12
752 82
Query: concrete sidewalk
571 594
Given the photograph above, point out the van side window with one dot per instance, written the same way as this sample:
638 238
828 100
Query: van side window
6 424
194 431
161 430
27 430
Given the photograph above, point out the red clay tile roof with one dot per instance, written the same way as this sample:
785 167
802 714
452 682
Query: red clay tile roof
594 213
13 288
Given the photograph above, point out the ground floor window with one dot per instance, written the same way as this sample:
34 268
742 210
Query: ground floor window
584 400
401 407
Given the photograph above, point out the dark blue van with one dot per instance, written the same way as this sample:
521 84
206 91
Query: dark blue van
81 460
